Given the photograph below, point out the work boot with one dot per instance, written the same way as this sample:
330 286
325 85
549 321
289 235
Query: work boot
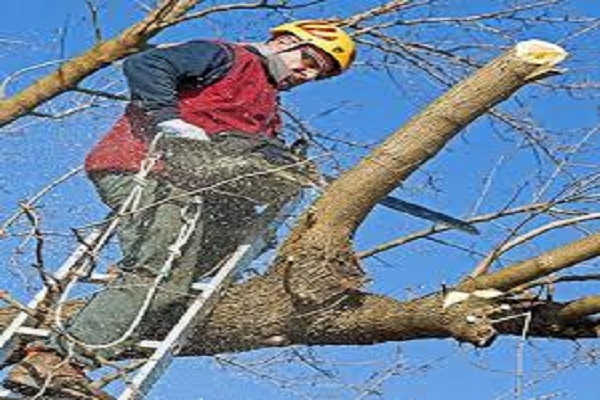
45 372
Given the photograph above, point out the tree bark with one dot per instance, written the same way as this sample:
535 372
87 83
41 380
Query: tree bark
545 264
259 314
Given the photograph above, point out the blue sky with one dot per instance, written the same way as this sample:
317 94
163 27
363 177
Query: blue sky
370 103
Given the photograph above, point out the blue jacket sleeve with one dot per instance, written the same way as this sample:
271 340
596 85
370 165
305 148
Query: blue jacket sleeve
154 76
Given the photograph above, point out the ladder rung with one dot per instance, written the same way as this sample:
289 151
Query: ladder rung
202 286
150 344
98 278
25 330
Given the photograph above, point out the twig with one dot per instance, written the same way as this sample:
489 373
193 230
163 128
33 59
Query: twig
37 234
95 22
35 198
480 17
484 265
374 12
8 299
454 245
487 184
561 165
13 76
66 113
99 93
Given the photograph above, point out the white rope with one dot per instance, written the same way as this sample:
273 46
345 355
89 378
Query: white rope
130 205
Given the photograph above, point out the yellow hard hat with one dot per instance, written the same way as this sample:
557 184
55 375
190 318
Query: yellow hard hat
325 36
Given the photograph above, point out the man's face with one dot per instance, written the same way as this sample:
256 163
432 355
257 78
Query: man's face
305 64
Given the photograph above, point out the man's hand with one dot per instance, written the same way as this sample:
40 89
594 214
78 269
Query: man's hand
180 128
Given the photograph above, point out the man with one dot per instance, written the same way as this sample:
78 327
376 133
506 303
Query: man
215 108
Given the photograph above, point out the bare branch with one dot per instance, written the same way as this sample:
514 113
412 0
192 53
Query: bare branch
388 8
483 16
71 72
35 198
95 22
259 4
484 265
10 78
580 309
99 93
537 267
552 280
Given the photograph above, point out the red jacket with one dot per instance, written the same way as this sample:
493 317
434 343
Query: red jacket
244 99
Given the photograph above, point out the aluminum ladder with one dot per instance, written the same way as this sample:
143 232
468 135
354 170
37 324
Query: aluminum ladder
206 295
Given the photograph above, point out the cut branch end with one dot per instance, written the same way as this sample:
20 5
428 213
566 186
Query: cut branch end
546 55
540 52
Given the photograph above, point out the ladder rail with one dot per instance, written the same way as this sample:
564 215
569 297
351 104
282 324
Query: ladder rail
8 334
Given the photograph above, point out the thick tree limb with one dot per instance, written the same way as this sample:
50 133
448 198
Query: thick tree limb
317 260
351 197
548 321
544 264
259 314
579 309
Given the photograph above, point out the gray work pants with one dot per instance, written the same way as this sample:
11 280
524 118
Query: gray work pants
144 238
270 176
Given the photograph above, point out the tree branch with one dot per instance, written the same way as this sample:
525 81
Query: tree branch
484 265
388 8
537 267
579 309
317 261
259 314
440 228
352 197
73 71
